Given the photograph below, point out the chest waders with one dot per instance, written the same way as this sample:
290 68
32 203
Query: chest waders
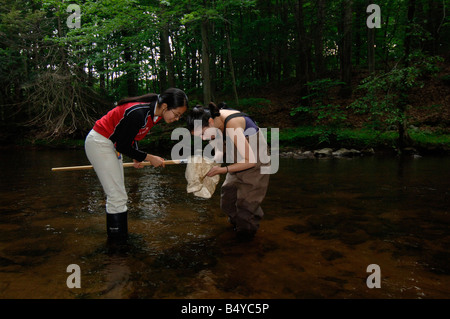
243 192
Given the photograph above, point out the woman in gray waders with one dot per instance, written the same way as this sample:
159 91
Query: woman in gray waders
245 185
118 132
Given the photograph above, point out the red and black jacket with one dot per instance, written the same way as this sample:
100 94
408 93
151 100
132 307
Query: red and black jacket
126 124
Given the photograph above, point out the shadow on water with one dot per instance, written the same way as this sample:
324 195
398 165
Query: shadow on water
325 222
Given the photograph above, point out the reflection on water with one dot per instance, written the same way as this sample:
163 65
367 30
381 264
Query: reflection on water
326 221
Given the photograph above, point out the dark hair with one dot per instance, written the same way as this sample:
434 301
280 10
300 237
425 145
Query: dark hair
150 97
200 113
173 97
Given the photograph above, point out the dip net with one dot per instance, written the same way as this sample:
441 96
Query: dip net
198 183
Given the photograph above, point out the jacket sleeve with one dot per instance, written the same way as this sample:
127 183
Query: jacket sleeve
126 132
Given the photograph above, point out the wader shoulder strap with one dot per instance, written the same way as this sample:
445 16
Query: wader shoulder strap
229 117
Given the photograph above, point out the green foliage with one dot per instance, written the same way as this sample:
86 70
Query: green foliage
312 137
323 112
385 100
255 102
427 138
119 50
304 136
319 90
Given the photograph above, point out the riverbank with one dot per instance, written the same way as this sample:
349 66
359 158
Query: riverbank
309 142
301 142
294 142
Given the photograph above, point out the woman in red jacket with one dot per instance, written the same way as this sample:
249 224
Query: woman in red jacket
118 132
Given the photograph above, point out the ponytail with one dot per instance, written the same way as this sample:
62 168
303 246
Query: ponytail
214 110
196 114
204 114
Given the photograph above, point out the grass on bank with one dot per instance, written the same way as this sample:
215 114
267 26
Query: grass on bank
314 137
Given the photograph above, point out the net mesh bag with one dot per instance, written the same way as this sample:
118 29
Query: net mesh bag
198 183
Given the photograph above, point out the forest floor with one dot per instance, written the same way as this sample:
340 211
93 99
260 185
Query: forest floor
428 113
429 106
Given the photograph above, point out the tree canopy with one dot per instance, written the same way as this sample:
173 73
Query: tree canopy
57 76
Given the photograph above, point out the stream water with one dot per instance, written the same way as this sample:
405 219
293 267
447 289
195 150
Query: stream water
325 222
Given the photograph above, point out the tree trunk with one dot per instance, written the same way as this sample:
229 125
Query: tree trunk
102 80
169 60
346 49
386 43
303 47
205 63
371 46
163 61
371 49
130 73
408 37
360 34
62 50
212 57
191 64
269 59
178 67
434 18
284 58
318 38
403 137
90 81
230 62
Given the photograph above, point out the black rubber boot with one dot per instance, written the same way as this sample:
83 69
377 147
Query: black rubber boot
117 226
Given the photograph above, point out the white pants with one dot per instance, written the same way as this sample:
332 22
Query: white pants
103 157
